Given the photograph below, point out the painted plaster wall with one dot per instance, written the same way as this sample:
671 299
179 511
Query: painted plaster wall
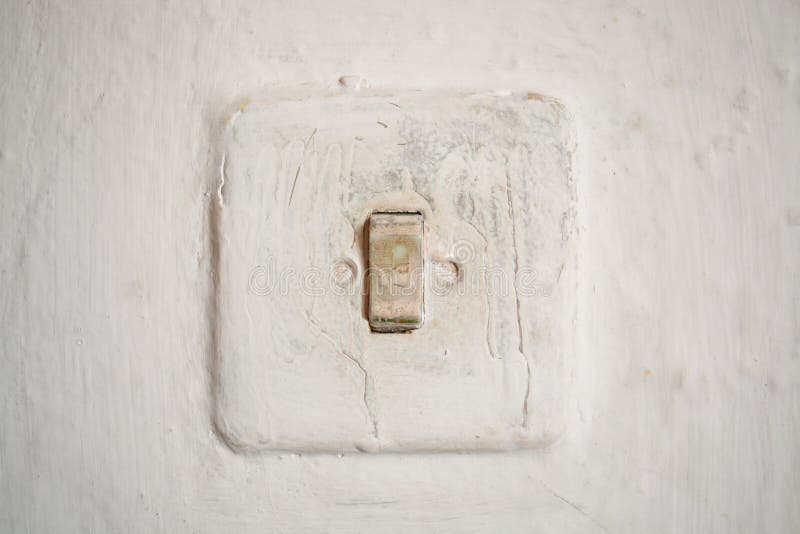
685 411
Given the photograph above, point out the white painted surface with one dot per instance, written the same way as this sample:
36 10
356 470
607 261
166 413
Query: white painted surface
295 366
687 412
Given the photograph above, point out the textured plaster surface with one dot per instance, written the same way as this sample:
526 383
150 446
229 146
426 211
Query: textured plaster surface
685 404
296 365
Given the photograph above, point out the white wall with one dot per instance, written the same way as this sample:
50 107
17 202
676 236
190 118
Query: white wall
686 395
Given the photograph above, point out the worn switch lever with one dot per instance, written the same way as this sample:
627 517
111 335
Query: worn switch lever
396 271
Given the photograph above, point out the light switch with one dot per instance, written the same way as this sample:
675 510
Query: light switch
329 210
395 275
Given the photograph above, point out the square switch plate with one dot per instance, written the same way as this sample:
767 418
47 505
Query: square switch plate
297 367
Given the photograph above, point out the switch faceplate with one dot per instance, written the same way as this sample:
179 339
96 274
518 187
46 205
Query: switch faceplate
319 191
396 272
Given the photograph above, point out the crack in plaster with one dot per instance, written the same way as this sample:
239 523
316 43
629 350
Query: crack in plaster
339 349
516 298
575 507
